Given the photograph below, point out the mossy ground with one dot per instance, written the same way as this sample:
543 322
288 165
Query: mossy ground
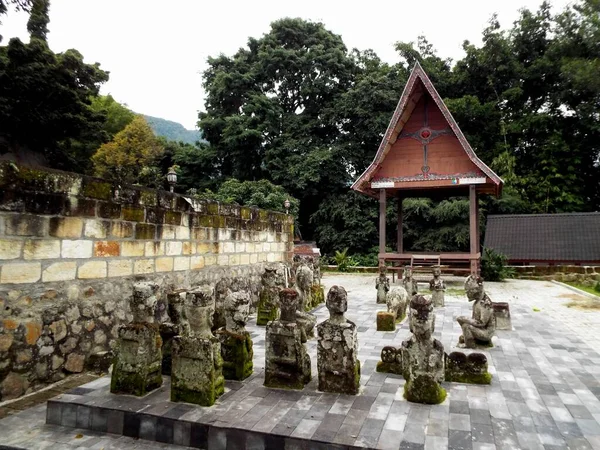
424 390
470 378
385 321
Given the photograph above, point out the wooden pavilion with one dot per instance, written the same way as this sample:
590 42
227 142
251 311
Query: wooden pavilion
425 154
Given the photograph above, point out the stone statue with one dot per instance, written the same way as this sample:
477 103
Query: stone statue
138 356
175 325
337 350
222 289
423 356
437 287
236 344
396 301
409 282
480 328
382 284
304 282
287 364
197 365
271 284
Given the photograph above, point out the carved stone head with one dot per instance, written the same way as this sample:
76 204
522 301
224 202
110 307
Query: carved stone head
422 319
269 276
436 271
337 301
288 300
474 288
143 302
407 272
199 309
237 309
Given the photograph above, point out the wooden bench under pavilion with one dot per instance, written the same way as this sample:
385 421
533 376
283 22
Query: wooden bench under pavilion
425 154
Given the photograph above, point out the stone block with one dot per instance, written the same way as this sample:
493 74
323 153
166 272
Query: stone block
210 260
65 227
271 257
142 266
164 264
173 248
182 232
106 248
10 249
237 352
120 268
386 321
132 248
132 214
33 330
76 249
244 259
121 229
75 363
26 225
181 263
253 258
234 260
166 232
196 262
154 248
198 234
207 247
145 231
502 314
60 271
97 229
223 260
41 249
19 273
13 386
92 269
188 248
6 341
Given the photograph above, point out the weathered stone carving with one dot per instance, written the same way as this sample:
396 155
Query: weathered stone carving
268 303
222 289
502 313
396 300
480 328
138 359
304 282
236 344
337 350
173 326
287 363
472 368
437 287
409 283
382 284
197 365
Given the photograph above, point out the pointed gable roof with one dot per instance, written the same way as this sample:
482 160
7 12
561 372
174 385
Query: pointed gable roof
416 88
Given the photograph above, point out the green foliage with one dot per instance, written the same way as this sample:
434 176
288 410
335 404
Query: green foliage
173 131
342 260
597 286
493 266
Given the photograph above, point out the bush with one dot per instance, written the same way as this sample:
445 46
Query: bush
493 266
597 287
344 261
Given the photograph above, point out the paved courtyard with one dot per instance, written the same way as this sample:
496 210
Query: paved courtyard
545 392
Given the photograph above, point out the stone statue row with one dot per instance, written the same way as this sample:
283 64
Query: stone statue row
409 284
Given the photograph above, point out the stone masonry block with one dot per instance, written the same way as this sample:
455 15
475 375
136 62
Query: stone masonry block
182 232
173 248
154 248
120 268
226 247
106 248
166 232
188 248
271 257
66 227
234 260
164 264
142 266
21 273
60 271
245 259
240 247
10 249
207 247
132 248
210 260
41 249
92 269
121 229
181 263
76 249
253 258
97 229
25 225
223 260
196 262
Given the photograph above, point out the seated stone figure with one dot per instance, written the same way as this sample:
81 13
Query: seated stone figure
423 356
304 282
268 303
287 364
437 287
337 349
236 344
480 328
138 356
197 365
409 282
382 284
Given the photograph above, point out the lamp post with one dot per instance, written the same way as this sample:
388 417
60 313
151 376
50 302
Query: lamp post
172 178
287 206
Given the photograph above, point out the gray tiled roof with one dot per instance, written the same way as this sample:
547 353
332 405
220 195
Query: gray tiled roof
545 237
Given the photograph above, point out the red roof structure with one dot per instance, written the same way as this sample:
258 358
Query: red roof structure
423 154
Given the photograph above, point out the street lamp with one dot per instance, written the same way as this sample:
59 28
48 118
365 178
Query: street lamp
287 206
172 178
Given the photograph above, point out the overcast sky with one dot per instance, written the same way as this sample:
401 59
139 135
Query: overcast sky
155 50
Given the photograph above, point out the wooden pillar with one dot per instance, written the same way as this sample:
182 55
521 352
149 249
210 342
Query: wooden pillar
382 206
400 221
473 229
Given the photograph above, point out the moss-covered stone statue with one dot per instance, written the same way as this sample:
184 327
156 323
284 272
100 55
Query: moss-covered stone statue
437 287
197 365
382 284
268 302
172 327
337 348
471 368
138 356
396 300
478 329
304 282
287 364
409 283
236 344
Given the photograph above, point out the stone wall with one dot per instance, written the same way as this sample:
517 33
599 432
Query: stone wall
587 274
72 246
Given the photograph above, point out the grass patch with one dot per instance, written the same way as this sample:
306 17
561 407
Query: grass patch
456 292
588 289
536 309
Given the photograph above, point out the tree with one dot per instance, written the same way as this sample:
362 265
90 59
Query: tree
132 156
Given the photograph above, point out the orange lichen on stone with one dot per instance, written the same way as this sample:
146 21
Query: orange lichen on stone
106 248
10 324
33 332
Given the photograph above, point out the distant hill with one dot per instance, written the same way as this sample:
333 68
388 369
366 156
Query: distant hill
173 131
